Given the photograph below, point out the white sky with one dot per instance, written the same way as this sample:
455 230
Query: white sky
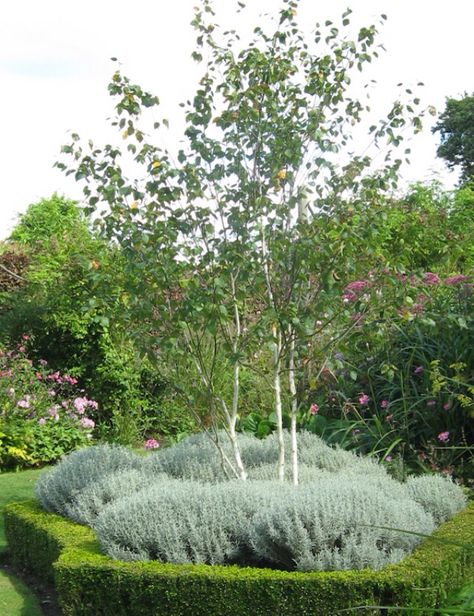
55 67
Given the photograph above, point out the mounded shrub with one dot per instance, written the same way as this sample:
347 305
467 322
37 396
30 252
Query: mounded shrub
56 489
197 457
89 502
185 522
335 523
438 495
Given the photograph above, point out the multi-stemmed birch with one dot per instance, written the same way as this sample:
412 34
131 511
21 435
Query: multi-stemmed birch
238 250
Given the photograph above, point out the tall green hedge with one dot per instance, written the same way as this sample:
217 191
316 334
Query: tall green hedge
89 583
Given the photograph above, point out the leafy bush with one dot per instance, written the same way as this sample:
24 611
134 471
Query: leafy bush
71 302
43 415
56 489
403 391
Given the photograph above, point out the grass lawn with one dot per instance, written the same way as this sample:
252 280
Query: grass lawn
15 487
16 599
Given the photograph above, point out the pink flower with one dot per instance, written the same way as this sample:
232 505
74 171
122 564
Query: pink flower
87 423
151 443
453 280
21 349
384 404
41 421
443 437
349 296
25 337
430 278
388 458
418 370
53 412
431 403
447 405
313 409
357 286
51 392
364 399
23 404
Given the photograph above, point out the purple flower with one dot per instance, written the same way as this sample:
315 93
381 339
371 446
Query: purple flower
384 404
151 443
364 399
453 280
418 370
443 437
430 278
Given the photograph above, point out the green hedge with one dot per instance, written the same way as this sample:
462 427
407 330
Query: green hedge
89 583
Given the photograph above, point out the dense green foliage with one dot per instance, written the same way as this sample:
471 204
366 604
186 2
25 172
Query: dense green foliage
70 304
89 583
456 129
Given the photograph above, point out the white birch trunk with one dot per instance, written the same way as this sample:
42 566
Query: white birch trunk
278 404
294 409
231 420
276 333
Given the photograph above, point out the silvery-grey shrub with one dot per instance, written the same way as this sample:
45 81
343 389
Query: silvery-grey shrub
198 458
331 524
185 522
58 487
86 504
436 494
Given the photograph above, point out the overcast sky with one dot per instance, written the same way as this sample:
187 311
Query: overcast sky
55 66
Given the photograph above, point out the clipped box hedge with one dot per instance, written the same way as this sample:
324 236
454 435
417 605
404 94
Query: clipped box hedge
89 583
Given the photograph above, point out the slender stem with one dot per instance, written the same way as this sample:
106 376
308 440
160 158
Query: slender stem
294 407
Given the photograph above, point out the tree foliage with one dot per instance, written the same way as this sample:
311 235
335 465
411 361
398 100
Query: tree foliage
456 129
238 251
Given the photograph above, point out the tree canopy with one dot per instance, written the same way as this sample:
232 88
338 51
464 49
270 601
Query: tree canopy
456 129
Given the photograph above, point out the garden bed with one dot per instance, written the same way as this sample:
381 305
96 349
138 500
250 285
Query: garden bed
89 583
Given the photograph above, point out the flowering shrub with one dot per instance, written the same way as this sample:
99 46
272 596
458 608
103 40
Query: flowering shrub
42 414
401 387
